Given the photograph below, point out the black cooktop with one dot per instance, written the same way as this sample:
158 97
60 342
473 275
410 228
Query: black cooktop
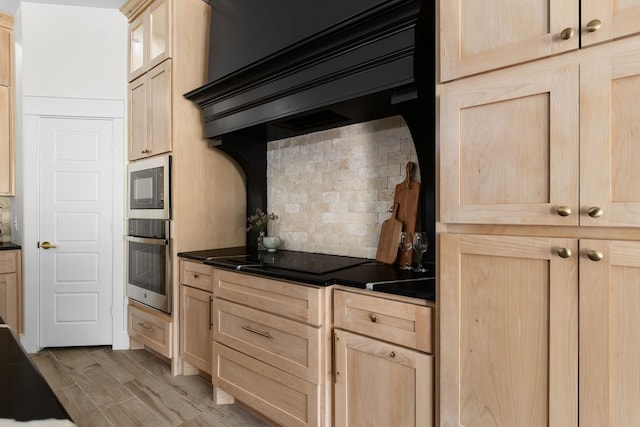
303 262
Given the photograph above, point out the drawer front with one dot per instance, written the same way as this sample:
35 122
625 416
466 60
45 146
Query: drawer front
392 321
8 262
297 302
196 275
151 330
291 346
284 398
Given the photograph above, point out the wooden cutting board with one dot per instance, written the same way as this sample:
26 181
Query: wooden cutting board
407 197
389 236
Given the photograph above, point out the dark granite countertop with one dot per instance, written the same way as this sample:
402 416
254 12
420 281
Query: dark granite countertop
24 393
322 270
5 246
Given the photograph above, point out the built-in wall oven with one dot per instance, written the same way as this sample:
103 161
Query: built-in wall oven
149 267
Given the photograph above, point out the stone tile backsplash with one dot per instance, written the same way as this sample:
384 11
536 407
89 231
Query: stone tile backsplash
5 218
333 189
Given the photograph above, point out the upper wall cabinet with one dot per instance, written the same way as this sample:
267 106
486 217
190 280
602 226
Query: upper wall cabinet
545 143
7 159
482 36
149 38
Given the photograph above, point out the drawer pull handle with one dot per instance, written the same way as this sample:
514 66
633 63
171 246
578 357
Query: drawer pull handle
144 325
195 275
373 317
392 354
255 331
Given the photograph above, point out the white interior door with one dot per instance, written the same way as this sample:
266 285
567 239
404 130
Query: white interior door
75 218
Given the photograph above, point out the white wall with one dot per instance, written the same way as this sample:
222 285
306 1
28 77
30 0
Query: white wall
73 52
66 53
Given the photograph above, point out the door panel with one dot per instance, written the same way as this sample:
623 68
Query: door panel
75 217
505 157
609 339
508 332
609 125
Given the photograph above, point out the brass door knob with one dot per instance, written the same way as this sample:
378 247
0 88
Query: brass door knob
373 317
595 212
47 245
564 211
595 255
594 25
567 33
564 252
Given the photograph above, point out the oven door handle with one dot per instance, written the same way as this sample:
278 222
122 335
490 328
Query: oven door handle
147 241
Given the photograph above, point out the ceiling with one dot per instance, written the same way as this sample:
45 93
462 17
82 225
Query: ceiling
11 6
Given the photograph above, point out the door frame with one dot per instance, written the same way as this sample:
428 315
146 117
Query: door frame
35 108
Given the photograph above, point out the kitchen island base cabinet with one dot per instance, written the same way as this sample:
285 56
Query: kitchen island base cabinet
378 383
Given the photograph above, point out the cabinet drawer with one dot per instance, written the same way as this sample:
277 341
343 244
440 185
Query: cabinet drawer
196 275
291 346
392 321
8 262
297 302
284 398
151 329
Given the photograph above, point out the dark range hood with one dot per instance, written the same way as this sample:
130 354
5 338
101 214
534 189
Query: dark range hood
284 68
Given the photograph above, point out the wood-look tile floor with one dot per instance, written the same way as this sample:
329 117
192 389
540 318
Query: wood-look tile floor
99 387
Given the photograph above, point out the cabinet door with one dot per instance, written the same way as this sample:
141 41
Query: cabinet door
509 148
6 143
609 338
137 47
160 109
508 331
6 49
196 327
480 36
9 300
159 26
609 133
138 118
381 384
617 19
149 38
150 113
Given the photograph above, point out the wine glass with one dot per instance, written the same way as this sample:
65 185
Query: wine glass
405 244
420 244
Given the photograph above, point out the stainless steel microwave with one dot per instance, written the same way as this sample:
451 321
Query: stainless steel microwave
149 188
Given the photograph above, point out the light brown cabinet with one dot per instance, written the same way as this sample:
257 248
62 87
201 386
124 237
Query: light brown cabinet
381 377
509 331
540 215
208 191
149 38
150 328
548 143
196 315
11 289
268 347
477 37
540 331
609 339
150 113
7 147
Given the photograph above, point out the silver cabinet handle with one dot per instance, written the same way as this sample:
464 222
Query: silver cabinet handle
255 331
